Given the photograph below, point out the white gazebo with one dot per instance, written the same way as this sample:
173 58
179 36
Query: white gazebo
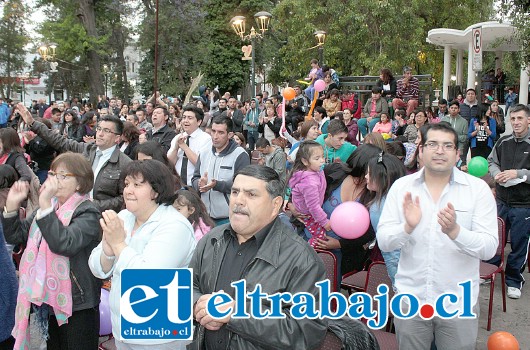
497 37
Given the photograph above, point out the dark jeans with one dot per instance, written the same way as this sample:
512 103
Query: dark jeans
519 228
42 174
252 138
80 333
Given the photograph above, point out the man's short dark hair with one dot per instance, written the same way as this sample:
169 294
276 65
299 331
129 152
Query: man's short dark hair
223 99
164 109
443 101
521 107
376 90
337 126
273 184
262 143
442 126
470 89
199 113
454 102
259 94
56 110
118 124
220 119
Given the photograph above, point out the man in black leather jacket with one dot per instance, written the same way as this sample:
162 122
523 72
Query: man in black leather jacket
258 247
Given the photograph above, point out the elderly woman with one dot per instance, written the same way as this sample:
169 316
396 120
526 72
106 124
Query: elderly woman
55 282
149 233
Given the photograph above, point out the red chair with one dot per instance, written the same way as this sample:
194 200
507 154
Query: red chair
331 342
330 263
354 281
377 275
489 271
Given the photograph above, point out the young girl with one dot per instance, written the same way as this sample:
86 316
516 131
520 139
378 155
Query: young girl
190 205
308 186
384 126
382 172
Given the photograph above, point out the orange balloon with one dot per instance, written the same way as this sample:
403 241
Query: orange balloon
289 93
502 341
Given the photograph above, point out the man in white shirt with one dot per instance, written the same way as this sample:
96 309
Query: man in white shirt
186 146
445 222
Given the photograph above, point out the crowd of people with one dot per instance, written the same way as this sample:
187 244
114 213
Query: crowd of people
99 189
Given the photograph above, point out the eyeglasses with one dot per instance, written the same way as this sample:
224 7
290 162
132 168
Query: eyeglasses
433 146
61 176
106 130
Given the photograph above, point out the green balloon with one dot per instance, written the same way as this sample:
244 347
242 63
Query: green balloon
478 166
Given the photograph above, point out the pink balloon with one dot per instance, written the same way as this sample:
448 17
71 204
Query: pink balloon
350 220
320 85
105 325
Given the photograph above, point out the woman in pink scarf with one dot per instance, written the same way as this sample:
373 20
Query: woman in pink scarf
56 284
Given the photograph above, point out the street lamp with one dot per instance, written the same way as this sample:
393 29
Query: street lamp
320 35
106 71
238 24
47 52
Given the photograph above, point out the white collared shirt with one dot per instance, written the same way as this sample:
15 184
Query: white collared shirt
199 141
432 264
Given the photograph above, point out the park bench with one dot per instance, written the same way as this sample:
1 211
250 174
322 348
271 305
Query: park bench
362 86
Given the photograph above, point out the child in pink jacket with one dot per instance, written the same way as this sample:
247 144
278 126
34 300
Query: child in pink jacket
308 185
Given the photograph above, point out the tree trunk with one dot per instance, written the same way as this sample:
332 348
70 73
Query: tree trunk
88 19
120 60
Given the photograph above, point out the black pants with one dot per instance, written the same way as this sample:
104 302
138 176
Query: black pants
7 344
80 333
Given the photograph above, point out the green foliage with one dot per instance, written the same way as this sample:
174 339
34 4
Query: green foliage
518 13
366 35
13 38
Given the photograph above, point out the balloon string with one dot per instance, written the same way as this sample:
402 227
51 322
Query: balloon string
309 116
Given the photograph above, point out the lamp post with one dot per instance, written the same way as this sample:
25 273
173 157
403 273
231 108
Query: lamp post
47 52
23 77
320 35
238 23
106 71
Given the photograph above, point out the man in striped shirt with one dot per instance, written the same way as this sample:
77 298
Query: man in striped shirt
407 92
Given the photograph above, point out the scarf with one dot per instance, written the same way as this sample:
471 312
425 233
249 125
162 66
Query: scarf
44 276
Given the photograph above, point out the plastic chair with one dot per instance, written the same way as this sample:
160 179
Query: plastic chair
377 275
331 342
330 263
489 271
107 344
386 340
354 281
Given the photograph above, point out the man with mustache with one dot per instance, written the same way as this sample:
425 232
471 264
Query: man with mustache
258 247
445 222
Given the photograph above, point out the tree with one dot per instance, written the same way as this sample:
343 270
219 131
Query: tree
518 13
13 39
182 47
365 36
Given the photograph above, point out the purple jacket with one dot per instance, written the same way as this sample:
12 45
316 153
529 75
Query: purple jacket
307 193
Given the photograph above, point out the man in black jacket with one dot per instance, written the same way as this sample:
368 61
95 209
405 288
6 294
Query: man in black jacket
509 164
160 132
106 158
258 247
235 114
